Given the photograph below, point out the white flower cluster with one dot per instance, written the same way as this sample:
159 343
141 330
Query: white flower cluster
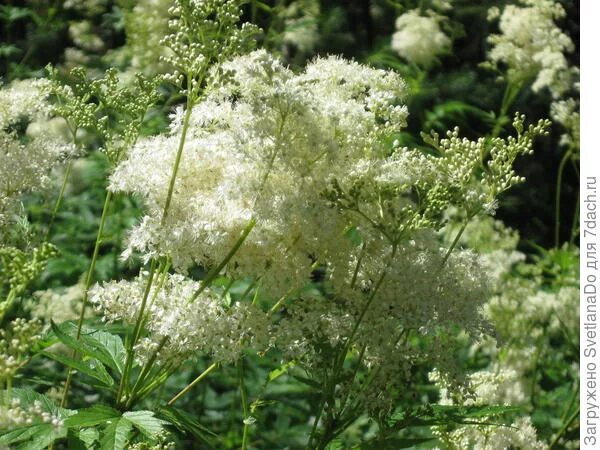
566 113
23 100
533 46
520 434
146 24
525 313
419 39
86 7
58 305
26 159
484 387
14 415
492 240
204 325
266 156
85 37
489 388
531 318
416 299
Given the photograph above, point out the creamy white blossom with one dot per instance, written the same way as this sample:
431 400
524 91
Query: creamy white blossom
299 165
206 324
267 157
566 113
27 159
519 435
532 46
419 39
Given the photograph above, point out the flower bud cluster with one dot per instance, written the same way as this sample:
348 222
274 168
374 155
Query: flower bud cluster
20 267
204 32
112 110
16 342
14 415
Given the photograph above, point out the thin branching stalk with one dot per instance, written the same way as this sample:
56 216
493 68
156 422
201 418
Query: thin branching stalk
575 222
88 283
184 130
197 380
454 242
339 362
244 398
564 428
559 180
217 269
510 95
59 200
136 334
146 369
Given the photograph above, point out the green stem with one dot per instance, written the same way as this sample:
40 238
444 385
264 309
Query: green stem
145 371
136 334
161 376
330 386
245 409
197 380
455 241
8 396
216 270
575 223
88 282
510 94
59 199
358 263
7 304
559 178
565 427
184 130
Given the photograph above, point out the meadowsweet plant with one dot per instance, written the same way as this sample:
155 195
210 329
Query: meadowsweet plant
280 244
280 210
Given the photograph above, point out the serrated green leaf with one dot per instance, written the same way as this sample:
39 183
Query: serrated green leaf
115 435
46 434
146 422
91 367
19 435
82 439
89 417
105 347
188 424
110 346
32 437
